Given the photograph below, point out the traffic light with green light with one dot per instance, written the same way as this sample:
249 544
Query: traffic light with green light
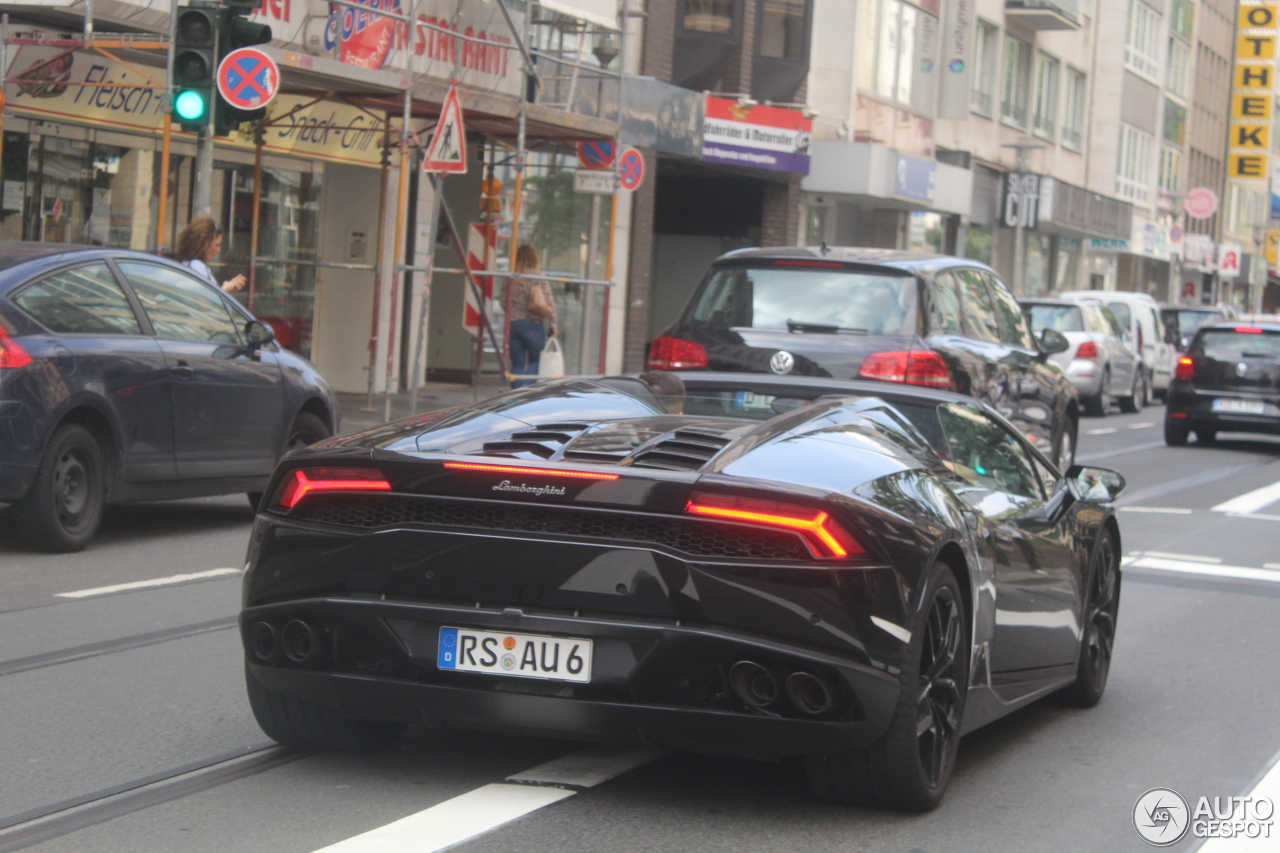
237 32
195 52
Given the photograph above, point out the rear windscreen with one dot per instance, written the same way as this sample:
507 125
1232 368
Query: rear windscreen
1230 345
1189 321
808 300
1060 318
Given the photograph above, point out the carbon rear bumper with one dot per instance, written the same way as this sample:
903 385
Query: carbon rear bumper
656 683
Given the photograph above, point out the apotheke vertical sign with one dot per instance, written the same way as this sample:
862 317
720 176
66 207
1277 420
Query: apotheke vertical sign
1253 84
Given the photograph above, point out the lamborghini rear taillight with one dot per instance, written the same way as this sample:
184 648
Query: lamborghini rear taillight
306 481
826 539
12 354
666 353
913 367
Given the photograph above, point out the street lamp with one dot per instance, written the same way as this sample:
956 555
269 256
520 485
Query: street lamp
1022 146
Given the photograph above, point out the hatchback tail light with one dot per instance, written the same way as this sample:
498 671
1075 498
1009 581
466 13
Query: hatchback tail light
1247 330
826 539
12 354
667 353
1186 368
1088 350
912 367
306 481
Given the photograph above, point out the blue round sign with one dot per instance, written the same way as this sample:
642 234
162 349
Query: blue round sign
631 169
596 154
248 78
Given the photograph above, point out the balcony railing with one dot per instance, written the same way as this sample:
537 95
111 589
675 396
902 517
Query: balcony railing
1044 14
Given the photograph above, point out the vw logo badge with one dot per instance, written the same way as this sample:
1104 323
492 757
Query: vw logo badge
1242 368
782 362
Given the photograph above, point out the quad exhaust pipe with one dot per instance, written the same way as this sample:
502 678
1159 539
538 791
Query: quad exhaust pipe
263 640
757 686
299 640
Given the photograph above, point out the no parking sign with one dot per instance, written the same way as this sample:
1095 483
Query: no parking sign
631 169
248 78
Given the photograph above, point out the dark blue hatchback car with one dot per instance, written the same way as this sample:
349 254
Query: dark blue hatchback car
123 378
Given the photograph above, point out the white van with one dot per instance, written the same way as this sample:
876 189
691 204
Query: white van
1139 317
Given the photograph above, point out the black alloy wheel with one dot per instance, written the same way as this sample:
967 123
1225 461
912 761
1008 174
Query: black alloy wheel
1175 435
306 430
63 509
1098 641
1099 404
909 768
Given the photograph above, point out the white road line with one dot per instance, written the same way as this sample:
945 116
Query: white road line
1141 426
1251 501
1189 557
1167 510
1268 787
123 587
1183 567
489 807
1103 431
1271 565
1256 516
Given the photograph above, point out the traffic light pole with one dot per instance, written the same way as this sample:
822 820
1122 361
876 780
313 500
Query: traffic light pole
203 172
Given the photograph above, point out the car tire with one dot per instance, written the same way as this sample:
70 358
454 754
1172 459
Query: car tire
1101 610
1175 435
1206 436
1133 403
908 769
1099 404
63 508
1064 452
307 429
305 724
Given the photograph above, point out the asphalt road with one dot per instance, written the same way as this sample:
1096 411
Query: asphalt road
124 725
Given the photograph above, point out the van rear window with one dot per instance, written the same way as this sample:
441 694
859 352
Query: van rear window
808 300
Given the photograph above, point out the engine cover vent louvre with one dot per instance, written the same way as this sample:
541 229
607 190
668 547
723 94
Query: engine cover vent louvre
541 442
683 450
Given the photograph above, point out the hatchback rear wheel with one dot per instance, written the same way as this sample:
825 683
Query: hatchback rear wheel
63 509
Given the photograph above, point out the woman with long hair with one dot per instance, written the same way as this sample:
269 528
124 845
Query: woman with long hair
198 246
531 303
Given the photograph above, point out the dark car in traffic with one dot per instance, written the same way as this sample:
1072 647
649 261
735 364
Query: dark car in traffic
1228 380
1182 321
853 573
902 317
123 377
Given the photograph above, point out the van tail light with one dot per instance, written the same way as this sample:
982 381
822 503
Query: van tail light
825 538
306 481
1186 368
667 353
12 355
912 367
1088 350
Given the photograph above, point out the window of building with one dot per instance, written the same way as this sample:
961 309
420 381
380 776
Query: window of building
1132 181
986 64
897 40
708 16
1142 40
1073 108
1243 209
1045 116
1170 170
1177 74
782 29
1175 123
1182 15
1017 78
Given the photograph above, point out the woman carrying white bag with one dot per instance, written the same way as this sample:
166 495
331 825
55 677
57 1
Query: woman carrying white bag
531 303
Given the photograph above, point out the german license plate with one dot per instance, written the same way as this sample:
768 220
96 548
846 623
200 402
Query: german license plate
1244 407
521 655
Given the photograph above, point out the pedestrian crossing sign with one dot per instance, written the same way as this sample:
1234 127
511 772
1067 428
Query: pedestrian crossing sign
447 151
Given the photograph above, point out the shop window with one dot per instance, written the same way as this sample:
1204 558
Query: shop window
782 29
1015 89
926 232
13 187
986 65
978 243
709 16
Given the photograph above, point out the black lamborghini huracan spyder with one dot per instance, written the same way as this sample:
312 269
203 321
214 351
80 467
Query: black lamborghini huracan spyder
848 572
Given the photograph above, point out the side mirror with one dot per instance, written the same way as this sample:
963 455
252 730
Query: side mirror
258 334
1098 485
1053 342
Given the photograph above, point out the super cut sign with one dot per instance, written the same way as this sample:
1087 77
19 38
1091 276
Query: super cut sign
1253 87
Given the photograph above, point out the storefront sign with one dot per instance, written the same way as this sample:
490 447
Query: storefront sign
364 38
1020 202
1273 247
1099 244
1201 203
916 179
957 49
758 136
1252 103
1229 260
1197 250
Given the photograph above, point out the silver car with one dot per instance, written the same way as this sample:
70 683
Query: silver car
1098 361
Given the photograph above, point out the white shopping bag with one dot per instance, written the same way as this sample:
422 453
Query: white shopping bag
551 362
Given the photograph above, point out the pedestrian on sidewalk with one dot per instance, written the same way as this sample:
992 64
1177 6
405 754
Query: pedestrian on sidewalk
532 304
198 246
